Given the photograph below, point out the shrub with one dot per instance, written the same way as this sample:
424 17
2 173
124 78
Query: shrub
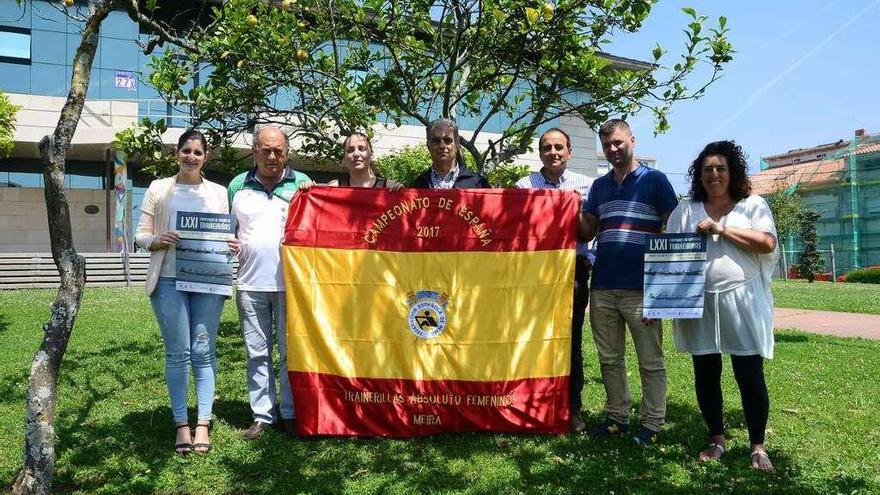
506 175
404 165
8 113
811 262
865 276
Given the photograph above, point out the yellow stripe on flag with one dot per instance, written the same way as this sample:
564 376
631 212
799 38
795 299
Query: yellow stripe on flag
507 316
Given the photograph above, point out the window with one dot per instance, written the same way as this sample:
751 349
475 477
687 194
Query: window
15 45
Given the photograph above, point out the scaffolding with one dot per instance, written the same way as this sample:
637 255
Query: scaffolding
844 187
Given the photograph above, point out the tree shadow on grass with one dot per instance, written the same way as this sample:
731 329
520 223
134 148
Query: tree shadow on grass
799 338
789 338
133 455
4 322
112 440
495 463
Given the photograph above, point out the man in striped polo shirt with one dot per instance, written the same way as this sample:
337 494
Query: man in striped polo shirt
623 206
554 149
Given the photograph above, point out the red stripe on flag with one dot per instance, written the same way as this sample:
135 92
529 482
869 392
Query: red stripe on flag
332 405
433 219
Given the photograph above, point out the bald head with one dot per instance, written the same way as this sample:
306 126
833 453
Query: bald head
269 133
270 154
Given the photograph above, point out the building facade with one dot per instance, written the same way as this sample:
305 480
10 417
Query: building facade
37 44
841 181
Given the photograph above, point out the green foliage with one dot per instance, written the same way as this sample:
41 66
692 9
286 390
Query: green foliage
8 115
786 209
811 262
298 65
114 424
405 164
865 276
143 141
328 67
506 175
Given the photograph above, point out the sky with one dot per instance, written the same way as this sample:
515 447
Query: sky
805 73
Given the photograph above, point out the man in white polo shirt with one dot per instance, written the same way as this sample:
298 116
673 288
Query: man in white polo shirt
259 200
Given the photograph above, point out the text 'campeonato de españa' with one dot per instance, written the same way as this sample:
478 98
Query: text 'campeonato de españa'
406 207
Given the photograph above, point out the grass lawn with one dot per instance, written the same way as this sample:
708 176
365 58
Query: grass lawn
115 432
827 296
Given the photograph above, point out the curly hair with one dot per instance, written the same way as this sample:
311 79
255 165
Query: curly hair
739 188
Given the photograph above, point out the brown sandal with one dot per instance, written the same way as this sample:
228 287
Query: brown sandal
720 448
756 458
202 448
183 448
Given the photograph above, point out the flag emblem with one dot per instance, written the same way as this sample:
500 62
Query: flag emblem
427 313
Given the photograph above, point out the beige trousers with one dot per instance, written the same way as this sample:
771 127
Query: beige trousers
611 311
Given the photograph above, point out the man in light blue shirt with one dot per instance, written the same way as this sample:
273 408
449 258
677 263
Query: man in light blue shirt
554 149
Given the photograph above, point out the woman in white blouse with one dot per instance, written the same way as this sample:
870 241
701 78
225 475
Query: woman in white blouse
188 320
738 313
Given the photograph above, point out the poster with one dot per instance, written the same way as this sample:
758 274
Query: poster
204 261
675 276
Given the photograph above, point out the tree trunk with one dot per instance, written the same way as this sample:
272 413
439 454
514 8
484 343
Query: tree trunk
39 446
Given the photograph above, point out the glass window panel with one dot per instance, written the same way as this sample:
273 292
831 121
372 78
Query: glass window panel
48 16
76 181
119 25
49 47
26 179
118 54
49 80
15 78
145 91
546 126
15 45
12 14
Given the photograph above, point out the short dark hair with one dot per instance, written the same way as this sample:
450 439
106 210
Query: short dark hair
611 125
441 124
555 129
192 135
740 187
357 133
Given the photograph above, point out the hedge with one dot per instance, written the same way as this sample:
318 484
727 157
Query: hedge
866 276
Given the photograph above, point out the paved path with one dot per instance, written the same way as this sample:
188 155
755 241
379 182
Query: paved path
828 322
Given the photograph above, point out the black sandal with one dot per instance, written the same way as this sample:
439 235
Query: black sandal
184 447
202 448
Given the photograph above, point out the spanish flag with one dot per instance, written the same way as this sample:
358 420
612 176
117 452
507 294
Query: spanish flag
423 311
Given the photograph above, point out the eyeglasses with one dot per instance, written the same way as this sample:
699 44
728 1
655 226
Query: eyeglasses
720 169
269 151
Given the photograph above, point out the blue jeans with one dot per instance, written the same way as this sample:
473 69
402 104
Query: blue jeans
188 321
256 313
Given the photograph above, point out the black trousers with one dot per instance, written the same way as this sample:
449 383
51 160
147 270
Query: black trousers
749 374
579 308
